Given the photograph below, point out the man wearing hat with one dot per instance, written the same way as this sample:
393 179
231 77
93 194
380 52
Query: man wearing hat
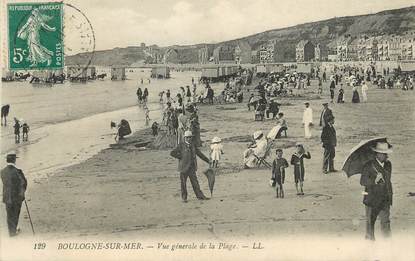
329 140
14 187
326 115
186 153
307 120
376 178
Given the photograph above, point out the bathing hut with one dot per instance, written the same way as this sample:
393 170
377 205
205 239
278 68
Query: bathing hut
76 73
118 73
91 73
162 72
6 75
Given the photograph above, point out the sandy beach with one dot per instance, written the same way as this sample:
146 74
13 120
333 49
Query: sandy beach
127 191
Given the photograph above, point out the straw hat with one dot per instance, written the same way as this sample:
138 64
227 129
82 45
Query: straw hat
258 134
188 134
216 140
382 147
11 155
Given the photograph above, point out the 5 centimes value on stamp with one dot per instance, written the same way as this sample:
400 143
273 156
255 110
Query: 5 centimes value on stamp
34 31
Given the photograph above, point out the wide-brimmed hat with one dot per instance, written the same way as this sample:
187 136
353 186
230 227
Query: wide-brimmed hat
306 103
325 103
382 147
216 140
188 134
258 134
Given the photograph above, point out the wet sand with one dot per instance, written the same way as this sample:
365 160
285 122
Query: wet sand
128 192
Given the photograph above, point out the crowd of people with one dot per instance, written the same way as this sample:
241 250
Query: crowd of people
180 121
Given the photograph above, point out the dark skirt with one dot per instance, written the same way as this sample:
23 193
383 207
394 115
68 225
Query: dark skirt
355 98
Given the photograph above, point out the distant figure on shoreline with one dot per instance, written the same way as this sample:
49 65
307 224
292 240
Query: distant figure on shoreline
4 113
16 127
25 131
139 95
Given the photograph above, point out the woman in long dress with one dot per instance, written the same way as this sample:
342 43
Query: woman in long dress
258 149
30 32
355 98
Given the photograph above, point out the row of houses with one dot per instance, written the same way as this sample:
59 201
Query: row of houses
377 48
350 48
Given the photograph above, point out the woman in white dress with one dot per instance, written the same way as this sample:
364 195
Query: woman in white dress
256 150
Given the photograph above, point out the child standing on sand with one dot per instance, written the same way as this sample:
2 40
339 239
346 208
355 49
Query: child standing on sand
278 173
216 150
25 131
297 160
16 127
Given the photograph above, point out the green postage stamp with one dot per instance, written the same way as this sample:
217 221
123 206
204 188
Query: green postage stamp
35 36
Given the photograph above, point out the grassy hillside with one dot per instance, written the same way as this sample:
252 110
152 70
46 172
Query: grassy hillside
388 22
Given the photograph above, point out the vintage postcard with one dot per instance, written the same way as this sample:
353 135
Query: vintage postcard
207 130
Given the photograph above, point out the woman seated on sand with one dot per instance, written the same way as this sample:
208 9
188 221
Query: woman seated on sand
255 150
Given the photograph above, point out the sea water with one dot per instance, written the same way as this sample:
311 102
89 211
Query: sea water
70 122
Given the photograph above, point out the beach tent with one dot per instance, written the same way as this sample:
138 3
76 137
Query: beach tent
118 73
160 72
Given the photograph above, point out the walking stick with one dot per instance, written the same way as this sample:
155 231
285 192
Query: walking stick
30 219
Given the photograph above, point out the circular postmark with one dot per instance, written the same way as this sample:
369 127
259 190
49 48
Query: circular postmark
75 36
79 41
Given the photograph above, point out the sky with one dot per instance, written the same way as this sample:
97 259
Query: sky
167 22
121 23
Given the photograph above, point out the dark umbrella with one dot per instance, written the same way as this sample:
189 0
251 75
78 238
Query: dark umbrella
210 174
360 155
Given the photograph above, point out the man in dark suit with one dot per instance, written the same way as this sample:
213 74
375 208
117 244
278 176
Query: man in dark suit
14 187
186 152
329 140
376 177
326 115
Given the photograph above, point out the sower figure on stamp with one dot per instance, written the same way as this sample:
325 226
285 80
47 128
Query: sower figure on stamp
186 152
376 178
14 187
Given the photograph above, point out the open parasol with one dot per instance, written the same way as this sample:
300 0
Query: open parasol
360 155
210 174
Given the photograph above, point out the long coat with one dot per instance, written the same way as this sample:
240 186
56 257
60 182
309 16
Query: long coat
186 154
378 195
14 185
328 136
326 116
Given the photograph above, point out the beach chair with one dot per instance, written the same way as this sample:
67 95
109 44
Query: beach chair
262 160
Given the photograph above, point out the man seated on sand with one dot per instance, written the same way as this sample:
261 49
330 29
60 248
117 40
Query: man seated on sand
258 149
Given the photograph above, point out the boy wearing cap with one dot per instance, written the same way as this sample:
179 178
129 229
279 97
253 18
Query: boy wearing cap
376 178
186 152
14 187
278 173
297 160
